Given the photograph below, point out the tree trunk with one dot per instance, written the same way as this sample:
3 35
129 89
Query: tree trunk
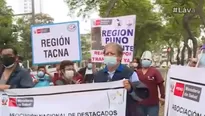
186 20
182 55
178 58
189 51
110 7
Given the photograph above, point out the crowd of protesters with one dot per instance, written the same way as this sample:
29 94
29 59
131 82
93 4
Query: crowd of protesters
140 102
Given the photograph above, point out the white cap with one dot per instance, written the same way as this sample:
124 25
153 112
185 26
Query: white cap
147 55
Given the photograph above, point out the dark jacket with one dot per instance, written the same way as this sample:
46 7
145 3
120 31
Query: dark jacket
87 78
19 78
123 72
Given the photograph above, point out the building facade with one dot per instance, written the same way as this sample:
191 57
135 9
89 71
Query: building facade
24 6
27 6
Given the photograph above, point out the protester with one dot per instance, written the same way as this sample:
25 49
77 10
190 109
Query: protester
115 71
201 57
67 75
153 79
20 61
11 74
87 72
135 64
43 78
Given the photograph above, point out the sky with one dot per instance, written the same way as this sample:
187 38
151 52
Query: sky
56 9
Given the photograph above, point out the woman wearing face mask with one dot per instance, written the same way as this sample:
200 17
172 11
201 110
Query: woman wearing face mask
68 75
135 64
153 79
43 78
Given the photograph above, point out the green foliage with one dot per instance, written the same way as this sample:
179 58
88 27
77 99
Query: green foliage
23 25
83 7
6 28
181 26
154 30
148 23
86 46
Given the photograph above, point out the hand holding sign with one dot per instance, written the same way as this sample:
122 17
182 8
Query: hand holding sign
127 84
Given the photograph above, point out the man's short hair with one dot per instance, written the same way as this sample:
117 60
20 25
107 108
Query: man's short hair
117 47
39 67
10 47
65 63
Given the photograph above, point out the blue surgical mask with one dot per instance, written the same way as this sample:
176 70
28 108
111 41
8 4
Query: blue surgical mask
110 61
90 65
146 63
40 74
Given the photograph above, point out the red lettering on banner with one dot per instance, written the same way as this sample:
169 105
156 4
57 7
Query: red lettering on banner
126 60
97 59
127 53
98 52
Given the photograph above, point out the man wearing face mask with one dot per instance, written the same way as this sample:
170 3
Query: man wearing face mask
67 75
20 60
151 77
12 75
115 71
43 78
87 72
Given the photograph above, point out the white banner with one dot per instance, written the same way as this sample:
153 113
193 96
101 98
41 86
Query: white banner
98 99
185 91
53 43
120 30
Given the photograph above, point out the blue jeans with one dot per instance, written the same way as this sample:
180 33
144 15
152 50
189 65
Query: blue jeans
148 110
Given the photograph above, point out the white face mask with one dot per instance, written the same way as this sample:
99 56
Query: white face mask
69 74
135 65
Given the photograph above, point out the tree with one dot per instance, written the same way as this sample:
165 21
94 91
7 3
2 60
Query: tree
148 23
23 25
188 23
6 28
86 46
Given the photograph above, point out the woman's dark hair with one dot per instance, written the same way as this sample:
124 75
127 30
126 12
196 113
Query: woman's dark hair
65 63
138 62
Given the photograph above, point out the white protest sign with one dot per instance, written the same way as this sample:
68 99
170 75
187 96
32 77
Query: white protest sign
53 43
119 30
185 91
98 99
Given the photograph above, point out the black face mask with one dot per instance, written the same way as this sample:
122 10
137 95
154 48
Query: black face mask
8 61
